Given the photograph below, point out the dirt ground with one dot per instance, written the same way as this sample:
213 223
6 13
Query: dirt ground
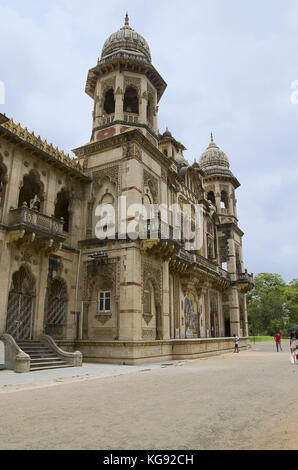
234 401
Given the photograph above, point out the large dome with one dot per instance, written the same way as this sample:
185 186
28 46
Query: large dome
128 40
213 157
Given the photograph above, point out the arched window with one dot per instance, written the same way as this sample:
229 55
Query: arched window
131 101
31 192
211 197
109 104
62 208
224 200
108 200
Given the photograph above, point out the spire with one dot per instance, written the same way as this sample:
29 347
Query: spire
126 23
212 143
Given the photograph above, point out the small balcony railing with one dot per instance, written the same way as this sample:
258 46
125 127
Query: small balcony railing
131 118
245 277
107 119
24 217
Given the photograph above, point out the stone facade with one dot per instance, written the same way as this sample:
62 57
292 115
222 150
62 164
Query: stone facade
120 300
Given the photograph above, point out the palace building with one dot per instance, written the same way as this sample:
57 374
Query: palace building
119 300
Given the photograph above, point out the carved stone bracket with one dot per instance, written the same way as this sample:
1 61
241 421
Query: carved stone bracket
147 317
15 236
103 318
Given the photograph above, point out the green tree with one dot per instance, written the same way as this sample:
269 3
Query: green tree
292 301
267 308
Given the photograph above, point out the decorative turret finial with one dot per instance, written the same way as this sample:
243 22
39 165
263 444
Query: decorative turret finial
212 140
126 20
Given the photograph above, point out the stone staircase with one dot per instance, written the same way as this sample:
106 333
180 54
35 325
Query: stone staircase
42 357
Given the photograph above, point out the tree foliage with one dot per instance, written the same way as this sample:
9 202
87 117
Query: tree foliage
292 301
268 310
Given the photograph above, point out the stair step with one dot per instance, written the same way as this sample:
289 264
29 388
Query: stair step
41 357
48 367
35 349
49 363
35 355
46 359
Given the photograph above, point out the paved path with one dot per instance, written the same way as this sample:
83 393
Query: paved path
234 401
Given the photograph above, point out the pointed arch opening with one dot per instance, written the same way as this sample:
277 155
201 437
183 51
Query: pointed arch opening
211 197
131 101
62 208
224 203
31 192
57 303
20 306
109 102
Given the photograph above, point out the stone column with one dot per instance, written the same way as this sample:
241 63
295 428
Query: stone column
130 312
119 96
143 103
41 289
5 281
217 196
246 330
166 302
234 311
207 313
50 199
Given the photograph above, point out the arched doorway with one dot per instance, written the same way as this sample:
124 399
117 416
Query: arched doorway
56 308
20 308
31 191
62 208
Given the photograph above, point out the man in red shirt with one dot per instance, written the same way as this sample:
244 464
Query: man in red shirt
278 341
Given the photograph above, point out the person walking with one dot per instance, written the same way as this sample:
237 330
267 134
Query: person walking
236 349
294 348
277 337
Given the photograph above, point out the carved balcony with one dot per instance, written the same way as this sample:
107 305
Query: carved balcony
244 282
28 226
159 238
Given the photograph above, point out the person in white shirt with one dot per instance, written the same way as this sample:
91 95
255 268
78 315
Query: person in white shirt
236 350
294 348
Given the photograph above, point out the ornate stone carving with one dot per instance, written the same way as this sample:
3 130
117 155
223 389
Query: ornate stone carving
31 138
103 318
151 182
148 333
134 83
102 267
106 85
132 150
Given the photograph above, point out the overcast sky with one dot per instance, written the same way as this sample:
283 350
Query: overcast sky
229 66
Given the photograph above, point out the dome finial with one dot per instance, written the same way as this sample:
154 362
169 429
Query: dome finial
126 20
212 140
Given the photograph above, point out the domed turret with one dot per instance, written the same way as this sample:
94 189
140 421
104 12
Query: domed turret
214 158
126 40
125 87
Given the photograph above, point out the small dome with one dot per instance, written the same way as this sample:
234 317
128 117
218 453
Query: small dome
213 157
126 39
167 133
